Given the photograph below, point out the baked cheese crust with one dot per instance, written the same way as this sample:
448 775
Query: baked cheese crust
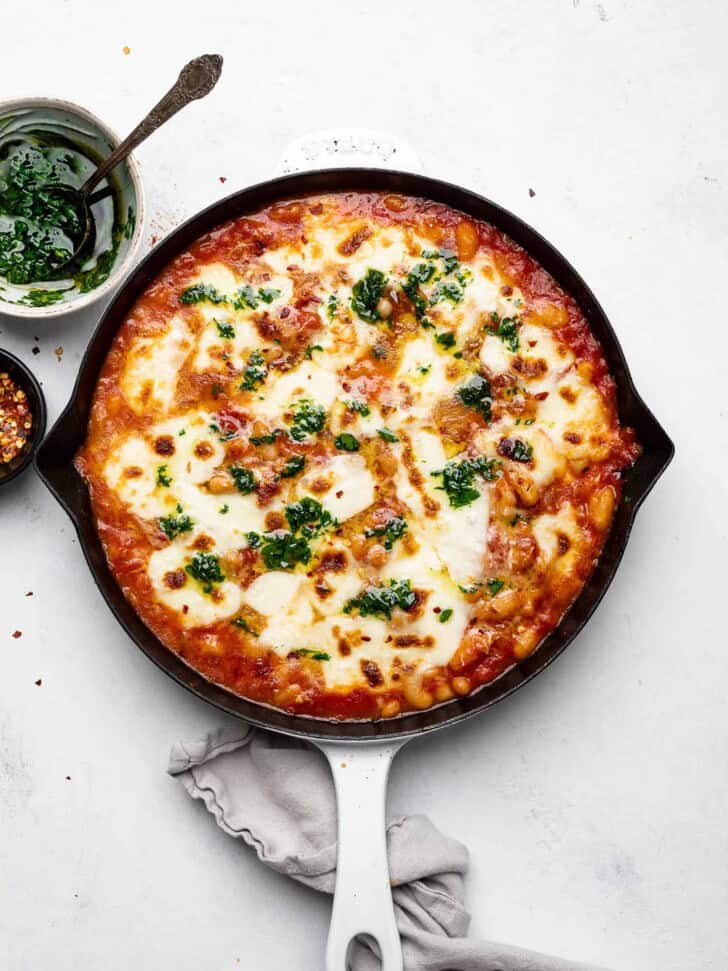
354 455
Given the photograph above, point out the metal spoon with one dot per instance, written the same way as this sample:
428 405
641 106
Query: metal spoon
195 80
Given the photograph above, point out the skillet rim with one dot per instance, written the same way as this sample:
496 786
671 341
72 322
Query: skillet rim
54 458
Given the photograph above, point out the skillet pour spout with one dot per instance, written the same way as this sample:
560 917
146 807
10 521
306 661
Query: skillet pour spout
54 459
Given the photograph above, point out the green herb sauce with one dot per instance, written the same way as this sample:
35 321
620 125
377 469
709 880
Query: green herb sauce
38 227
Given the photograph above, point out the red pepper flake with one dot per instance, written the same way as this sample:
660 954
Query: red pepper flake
59 353
340 493
153 240
436 610
223 178
39 682
29 593
531 193
17 634
16 419
68 778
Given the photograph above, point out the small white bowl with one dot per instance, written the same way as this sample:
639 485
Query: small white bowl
85 130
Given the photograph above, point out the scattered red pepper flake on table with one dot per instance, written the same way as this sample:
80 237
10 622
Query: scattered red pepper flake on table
223 178
16 419
531 193
39 682
29 593
17 634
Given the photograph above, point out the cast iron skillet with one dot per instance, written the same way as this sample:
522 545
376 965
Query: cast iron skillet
362 903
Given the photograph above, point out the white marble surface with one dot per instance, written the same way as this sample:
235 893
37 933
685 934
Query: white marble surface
594 801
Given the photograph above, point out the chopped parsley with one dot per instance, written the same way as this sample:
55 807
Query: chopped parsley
308 419
173 525
381 601
205 568
515 449
332 306
308 652
476 394
202 293
243 478
282 550
308 517
266 439
242 623
246 298
255 372
360 407
495 586
347 442
449 261
411 287
458 478
387 435
445 615
391 531
421 273
366 294
308 353
226 331
163 477
445 339
293 466
507 329
268 294
446 290
224 509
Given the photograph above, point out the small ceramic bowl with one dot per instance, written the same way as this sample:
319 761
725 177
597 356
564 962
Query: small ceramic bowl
25 379
89 133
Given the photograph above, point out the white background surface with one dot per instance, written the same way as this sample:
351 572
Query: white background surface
593 802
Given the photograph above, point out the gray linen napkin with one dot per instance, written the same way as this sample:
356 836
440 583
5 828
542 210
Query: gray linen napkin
277 794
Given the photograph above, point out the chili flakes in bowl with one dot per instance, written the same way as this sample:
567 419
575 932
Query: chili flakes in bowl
16 419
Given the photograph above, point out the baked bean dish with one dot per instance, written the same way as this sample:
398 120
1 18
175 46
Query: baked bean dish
354 455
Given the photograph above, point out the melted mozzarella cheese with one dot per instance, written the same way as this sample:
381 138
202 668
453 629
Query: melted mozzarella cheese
459 536
131 472
558 536
307 381
575 418
351 486
272 592
191 604
149 380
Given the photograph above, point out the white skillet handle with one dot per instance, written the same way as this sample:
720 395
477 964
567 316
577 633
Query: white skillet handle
363 895
345 147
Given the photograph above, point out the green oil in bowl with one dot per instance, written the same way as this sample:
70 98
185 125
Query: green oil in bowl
38 228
